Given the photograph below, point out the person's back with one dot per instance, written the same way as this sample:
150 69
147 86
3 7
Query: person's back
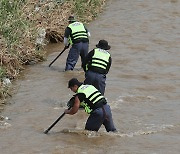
78 32
97 65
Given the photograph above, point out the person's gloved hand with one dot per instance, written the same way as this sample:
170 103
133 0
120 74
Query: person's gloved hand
66 47
70 103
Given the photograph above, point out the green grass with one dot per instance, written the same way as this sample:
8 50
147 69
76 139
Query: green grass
86 10
12 25
2 72
18 32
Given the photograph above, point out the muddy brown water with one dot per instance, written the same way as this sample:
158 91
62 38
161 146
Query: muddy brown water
143 89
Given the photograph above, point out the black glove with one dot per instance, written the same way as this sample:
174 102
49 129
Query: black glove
67 46
70 103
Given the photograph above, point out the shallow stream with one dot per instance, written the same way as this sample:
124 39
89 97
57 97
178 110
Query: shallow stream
143 89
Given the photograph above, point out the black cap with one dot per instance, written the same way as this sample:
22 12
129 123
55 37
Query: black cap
103 44
71 18
73 82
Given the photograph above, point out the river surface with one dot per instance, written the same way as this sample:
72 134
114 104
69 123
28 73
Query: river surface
143 89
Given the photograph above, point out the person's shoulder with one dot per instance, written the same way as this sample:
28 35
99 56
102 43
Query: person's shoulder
91 52
109 52
67 31
81 96
68 28
80 22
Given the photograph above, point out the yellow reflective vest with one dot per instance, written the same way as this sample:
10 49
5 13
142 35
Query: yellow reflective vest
78 32
100 58
92 96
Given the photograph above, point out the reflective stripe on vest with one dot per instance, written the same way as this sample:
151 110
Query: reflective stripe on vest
92 96
78 31
100 58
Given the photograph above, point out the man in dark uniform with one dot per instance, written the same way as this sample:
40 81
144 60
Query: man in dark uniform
77 35
93 103
97 65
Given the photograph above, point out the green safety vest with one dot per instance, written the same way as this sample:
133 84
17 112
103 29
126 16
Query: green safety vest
92 96
78 32
100 58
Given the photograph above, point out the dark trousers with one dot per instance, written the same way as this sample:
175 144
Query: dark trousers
96 79
100 116
74 52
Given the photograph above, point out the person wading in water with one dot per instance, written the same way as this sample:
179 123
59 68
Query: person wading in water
93 103
77 35
97 65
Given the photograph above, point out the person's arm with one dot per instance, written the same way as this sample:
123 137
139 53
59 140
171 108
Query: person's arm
75 107
66 36
89 56
88 59
84 63
66 42
109 65
89 34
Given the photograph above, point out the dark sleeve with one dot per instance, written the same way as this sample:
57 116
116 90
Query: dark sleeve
88 59
81 96
109 64
89 56
67 32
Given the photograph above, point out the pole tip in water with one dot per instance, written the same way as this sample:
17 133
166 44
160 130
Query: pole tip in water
46 131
